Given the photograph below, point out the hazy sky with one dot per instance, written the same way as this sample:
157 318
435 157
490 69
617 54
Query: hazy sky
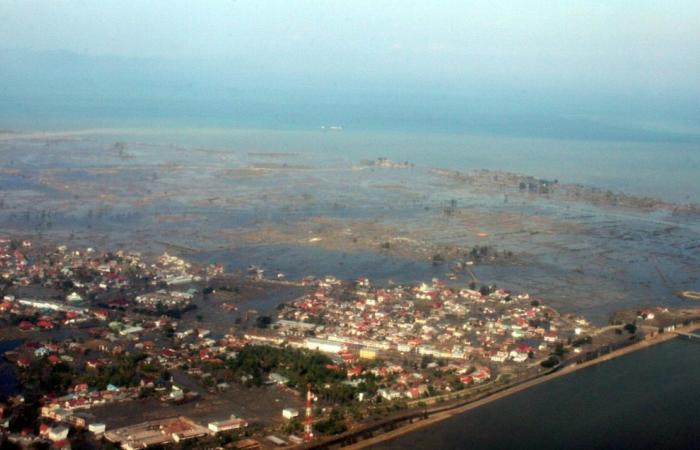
641 54
642 43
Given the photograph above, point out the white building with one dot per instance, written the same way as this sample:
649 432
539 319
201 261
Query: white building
518 356
278 378
131 330
226 425
97 428
58 433
324 346
74 297
290 413
389 394
499 357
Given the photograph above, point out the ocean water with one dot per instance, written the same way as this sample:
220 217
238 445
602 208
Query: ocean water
649 399
665 170
618 150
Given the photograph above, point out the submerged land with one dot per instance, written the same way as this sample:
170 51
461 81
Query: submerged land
206 287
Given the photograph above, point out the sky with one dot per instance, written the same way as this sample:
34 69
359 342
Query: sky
602 53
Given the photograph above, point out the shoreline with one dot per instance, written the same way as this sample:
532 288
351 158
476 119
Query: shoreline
457 410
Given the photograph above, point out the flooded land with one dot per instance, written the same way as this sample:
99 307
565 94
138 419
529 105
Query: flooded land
386 225
307 212
162 283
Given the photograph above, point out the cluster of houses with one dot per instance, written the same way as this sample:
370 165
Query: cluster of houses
80 272
165 299
85 275
173 270
34 314
398 334
83 397
476 332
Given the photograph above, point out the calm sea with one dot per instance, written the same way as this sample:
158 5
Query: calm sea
649 399
642 157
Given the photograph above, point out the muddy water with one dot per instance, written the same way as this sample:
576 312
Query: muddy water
577 257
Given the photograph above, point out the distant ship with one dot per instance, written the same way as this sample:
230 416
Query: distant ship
331 128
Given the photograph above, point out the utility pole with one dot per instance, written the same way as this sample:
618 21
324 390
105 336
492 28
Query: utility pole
308 419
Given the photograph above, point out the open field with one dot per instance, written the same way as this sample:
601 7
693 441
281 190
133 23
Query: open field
258 405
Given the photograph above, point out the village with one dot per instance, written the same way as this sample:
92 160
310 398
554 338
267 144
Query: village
94 332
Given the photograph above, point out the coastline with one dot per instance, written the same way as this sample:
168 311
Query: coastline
457 410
